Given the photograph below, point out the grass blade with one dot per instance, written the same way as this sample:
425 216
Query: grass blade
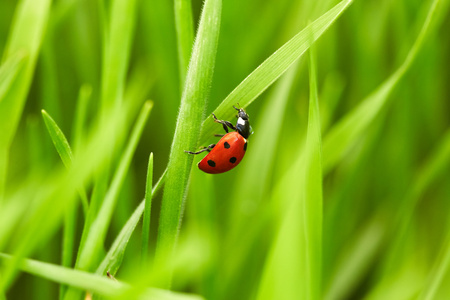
97 232
185 36
273 67
293 266
117 50
342 135
63 148
81 115
147 212
25 36
313 192
91 282
113 258
193 102
59 140
9 71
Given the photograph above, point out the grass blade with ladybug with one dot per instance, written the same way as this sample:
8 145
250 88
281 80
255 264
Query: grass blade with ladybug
230 150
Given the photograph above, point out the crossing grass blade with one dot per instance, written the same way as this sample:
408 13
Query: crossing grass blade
193 103
94 283
47 194
273 67
97 232
111 262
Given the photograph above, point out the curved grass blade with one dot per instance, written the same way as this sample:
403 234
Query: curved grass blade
97 232
56 193
101 285
187 130
342 135
63 148
273 67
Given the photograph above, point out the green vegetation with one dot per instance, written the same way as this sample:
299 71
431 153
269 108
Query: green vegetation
343 192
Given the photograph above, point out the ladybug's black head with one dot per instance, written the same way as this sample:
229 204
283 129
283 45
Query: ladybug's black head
243 125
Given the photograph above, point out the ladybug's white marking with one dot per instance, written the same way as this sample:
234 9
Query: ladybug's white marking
241 121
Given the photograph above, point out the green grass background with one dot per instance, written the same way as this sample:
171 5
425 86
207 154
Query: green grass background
344 192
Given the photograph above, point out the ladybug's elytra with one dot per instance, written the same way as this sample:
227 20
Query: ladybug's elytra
229 151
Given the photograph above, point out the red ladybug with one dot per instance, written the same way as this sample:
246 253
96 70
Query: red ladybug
229 151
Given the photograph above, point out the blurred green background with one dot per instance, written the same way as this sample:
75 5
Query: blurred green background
385 194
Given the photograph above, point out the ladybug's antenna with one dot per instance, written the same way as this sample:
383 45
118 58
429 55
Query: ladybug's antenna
236 107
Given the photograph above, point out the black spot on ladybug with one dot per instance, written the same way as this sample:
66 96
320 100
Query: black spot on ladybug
233 160
226 145
211 163
245 146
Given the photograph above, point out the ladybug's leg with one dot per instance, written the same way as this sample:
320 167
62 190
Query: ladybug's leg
225 124
219 135
209 148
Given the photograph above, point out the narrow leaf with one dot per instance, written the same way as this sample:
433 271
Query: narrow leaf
147 212
97 233
185 35
9 71
313 192
65 152
273 67
101 285
117 50
113 258
59 140
343 135
193 102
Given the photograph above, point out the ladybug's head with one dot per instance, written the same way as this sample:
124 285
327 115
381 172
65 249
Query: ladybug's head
243 125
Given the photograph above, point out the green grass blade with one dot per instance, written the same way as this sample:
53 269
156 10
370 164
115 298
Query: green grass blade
273 67
293 266
9 71
81 115
117 50
342 135
63 148
113 258
25 37
147 212
68 243
54 194
185 36
59 140
437 275
313 192
355 260
99 227
193 102
101 285
254 180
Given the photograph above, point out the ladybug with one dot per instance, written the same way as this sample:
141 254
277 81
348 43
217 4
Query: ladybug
229 151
